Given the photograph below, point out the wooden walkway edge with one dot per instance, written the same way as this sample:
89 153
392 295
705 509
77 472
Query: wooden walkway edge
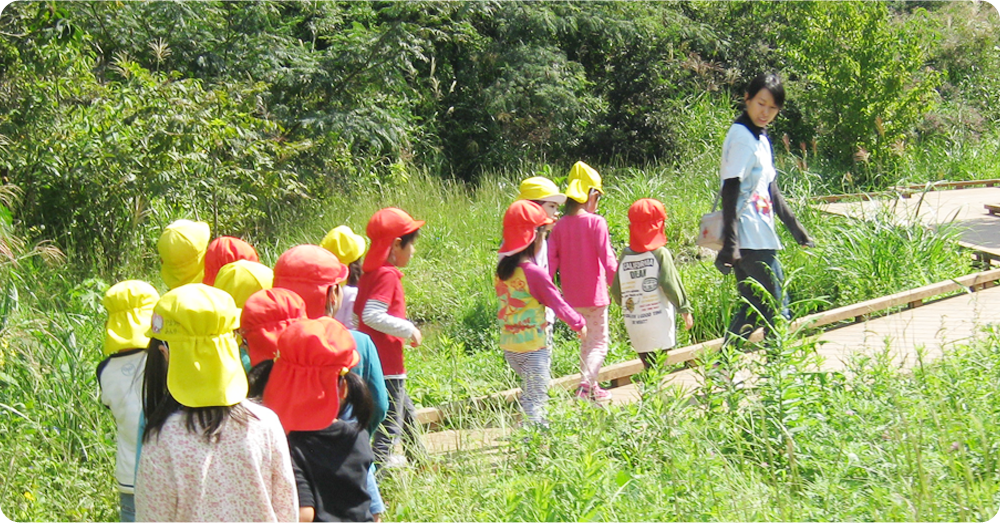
619 374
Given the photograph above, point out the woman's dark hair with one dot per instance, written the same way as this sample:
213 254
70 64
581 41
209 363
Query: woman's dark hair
772 83
257 378
355 274
508 264
359 398
406 239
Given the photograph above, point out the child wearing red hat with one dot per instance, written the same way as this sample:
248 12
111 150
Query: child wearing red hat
224 250
381 311
310 380
647 285
525 290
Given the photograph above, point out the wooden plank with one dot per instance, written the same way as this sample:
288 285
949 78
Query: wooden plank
992 209
952 185
618 372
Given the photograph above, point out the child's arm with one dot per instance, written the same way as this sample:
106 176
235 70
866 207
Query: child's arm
284 491
553 254
606 253
543 290
616 285
376 315
670 281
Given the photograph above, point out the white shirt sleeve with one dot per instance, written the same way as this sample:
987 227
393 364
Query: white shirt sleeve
737 153
376 315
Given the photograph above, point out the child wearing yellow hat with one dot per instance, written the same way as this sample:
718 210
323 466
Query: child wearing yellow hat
580 252
349 247
647 285
208 453
182 248
130 306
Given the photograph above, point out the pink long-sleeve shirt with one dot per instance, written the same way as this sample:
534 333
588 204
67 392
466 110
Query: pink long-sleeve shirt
580 251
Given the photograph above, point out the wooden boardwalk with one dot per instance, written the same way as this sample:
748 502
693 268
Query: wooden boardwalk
921 332
931 329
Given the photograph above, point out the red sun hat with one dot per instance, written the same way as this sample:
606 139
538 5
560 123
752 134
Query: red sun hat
303 389
309 270
383 228
519 224
645 228
225 250
266 314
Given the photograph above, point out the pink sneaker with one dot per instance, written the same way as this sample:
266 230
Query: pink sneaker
599 394
583 392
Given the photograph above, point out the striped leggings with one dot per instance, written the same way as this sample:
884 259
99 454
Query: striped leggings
533 368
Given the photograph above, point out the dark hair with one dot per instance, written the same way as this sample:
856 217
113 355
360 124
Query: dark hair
355 273
508 264
158 404
257 379
154 381
359 398
772 83
406 239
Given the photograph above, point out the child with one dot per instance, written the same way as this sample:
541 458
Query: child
331 458
265 315
317 275
580 251
381 310
182 249
349 248
208 453
648 284
224 250
524 291
130 306
242 278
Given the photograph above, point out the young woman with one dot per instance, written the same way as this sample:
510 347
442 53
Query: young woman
750 201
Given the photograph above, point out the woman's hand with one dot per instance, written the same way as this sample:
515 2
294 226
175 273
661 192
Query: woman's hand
726 259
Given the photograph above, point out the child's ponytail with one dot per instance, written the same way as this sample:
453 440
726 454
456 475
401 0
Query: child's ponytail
508 264
360 400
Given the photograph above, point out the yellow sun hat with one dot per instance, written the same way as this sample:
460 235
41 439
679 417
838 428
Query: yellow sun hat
242 278
182 249
197 322
583 178
540 188
130 306
345 244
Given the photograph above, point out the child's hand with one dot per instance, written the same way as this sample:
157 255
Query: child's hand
688 320
416 339
582 334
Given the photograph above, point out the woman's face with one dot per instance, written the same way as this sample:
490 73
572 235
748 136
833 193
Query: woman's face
761 108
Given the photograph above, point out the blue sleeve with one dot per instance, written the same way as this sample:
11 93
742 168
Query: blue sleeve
377 506
370 370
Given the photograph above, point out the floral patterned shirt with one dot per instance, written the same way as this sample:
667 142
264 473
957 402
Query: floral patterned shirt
245 476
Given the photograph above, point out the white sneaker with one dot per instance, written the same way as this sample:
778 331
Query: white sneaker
395 461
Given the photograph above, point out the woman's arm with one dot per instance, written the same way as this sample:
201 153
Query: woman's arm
787 217
730 253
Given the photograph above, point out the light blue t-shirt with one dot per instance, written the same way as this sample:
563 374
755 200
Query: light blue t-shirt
748 159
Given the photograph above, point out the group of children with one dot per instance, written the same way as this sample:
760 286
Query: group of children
537 247
250 393
255 393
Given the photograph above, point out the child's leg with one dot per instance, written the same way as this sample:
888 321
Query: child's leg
412 444
127 504
648 359
534 370
594 348
388 432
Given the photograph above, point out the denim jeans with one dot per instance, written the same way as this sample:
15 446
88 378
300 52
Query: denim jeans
762 267
127 504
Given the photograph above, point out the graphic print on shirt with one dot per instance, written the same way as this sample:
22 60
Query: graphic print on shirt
648 314
521 316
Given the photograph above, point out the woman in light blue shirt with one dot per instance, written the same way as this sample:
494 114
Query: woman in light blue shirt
750 201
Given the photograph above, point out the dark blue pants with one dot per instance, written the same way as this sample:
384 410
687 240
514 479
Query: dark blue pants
759 266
